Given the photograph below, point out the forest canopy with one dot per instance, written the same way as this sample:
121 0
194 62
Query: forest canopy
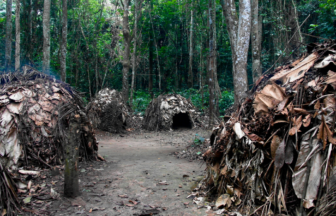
145 48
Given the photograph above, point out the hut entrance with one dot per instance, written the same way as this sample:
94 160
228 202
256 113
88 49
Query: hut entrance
181 120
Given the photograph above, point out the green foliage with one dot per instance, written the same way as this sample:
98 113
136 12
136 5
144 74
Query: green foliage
141 100
198 139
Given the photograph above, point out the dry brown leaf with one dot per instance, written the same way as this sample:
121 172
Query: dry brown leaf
308 203
17 97
326 61
331 77
276 140
15 107
237 192
133 202
274 91
283 104
297 122
280 155
279 121
325 134
306 121
317 106
290 75
289 151
253 137
224 170
267 100
311 83
300 110
223 200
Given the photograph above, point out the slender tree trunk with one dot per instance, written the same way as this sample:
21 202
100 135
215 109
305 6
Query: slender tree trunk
256 34
71 154
46 36
191 45
135 50
63 46
150 44
217 91
8 52
30 30
211 65
244 29
201 72
157 53
239 32
126 60
17 35
95 46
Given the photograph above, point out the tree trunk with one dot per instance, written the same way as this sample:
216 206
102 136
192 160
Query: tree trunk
17 35
256 35
30 30
46 36
8 52
157 51
135 49
126 57
95 46
150 49
239 39
191 45
71 153
211 65
63 46
217 91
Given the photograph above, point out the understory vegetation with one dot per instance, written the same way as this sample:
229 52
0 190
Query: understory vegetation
142 98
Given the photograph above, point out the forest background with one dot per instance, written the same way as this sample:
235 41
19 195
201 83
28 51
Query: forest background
148 47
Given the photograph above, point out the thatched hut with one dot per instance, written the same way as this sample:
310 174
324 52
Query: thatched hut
108 112
34 112
276 153
170 111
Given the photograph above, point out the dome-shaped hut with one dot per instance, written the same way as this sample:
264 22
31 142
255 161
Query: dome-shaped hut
170 111
34 115
280 141
107 111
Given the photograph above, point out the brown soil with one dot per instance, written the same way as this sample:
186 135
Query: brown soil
140 176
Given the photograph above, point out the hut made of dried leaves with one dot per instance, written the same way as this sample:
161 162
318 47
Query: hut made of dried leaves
170 112
276 154
108 112
34 114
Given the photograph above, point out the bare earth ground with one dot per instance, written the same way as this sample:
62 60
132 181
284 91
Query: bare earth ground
140 177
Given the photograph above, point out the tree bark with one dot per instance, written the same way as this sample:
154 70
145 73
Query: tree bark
17 35
211 65
217 91
191 45
63 46
256 34
30 30
8 51
71 186
239 32
150 49
126 56
135 49
46 37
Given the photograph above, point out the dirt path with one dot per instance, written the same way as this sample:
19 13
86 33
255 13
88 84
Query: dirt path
140 177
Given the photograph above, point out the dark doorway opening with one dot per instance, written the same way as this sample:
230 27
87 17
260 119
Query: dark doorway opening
181 120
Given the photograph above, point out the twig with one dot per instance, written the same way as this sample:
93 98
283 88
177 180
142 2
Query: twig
309 35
